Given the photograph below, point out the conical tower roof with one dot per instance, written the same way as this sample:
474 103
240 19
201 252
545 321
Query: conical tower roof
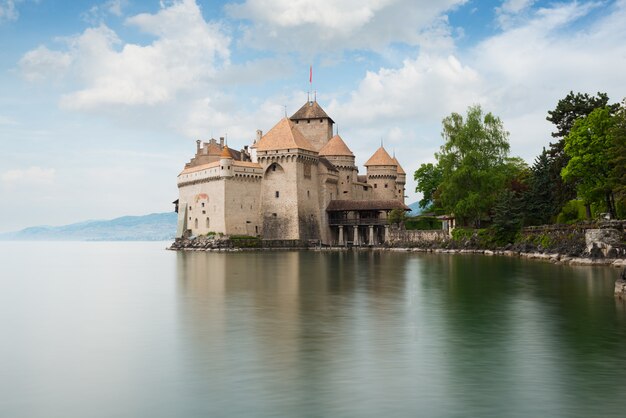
336 147
380 157
283 136
400 170
310 110
226 153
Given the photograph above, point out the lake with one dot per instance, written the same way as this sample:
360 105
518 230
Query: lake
132 330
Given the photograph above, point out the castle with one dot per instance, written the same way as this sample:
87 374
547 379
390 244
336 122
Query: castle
297 182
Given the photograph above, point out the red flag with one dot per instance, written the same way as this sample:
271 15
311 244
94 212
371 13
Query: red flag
311 74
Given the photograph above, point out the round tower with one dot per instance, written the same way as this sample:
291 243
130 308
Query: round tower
337 152
400 181
226 163
382 173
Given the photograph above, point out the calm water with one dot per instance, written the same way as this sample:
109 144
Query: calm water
131 330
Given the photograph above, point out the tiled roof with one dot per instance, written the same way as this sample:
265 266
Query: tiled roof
246 164
226 153
400 170
344 205
336 146
310 110
200 167
380 157
213 149
283 136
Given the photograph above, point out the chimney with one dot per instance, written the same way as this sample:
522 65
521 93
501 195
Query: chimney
222 141
259 134
197 146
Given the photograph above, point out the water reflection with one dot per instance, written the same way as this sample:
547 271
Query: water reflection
364 333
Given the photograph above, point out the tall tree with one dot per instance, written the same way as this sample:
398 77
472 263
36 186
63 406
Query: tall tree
471 160
567 111
617 155
539 199
428 178
588 145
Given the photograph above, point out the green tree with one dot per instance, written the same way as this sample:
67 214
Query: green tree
508 216
396 216
588 145
471 160
567 111
428 178
539 200
617 153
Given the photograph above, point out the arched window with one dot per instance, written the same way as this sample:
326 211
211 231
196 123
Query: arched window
195 223
207 221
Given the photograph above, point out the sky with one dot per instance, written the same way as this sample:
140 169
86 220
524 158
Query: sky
101 101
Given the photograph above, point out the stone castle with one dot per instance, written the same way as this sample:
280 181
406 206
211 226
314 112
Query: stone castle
297 182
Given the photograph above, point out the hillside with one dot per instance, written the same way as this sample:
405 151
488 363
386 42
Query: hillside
152 227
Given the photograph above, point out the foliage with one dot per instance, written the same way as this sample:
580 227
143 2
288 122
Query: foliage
471 161
572 211
508 217
617 155
567 111
588 145
428 178
422 223
396 216
539 198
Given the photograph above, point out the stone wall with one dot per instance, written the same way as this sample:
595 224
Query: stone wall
416 238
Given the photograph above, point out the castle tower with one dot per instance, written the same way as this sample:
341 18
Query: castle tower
337 152
226 163
400 181
314 124
382 173
289 190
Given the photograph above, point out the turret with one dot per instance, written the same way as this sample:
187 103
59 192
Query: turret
400 181
337 152
382 173
226 162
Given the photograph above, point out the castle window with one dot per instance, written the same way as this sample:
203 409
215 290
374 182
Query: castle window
273 167
277 193
308 193
202 204
321 120
385 185
195 223
207 222
204 212
375 186
308 121
190 207
274 215
297 122
345 192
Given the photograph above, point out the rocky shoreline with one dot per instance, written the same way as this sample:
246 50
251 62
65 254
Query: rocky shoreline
228 245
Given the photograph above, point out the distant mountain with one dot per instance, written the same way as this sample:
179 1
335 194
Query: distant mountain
415 209
153 227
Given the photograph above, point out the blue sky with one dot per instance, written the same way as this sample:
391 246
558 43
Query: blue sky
101 102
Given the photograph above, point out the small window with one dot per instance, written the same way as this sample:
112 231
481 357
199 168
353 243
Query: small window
375 186
321 120
195 223
345 192
204 212
190 208
274 215
308 193
202 204
277 193
308 121
207 222
385 185
273 167
297 122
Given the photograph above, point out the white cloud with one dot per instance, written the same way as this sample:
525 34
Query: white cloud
8 11
97 13
184 56
512 11
29 176
311 27
42 63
